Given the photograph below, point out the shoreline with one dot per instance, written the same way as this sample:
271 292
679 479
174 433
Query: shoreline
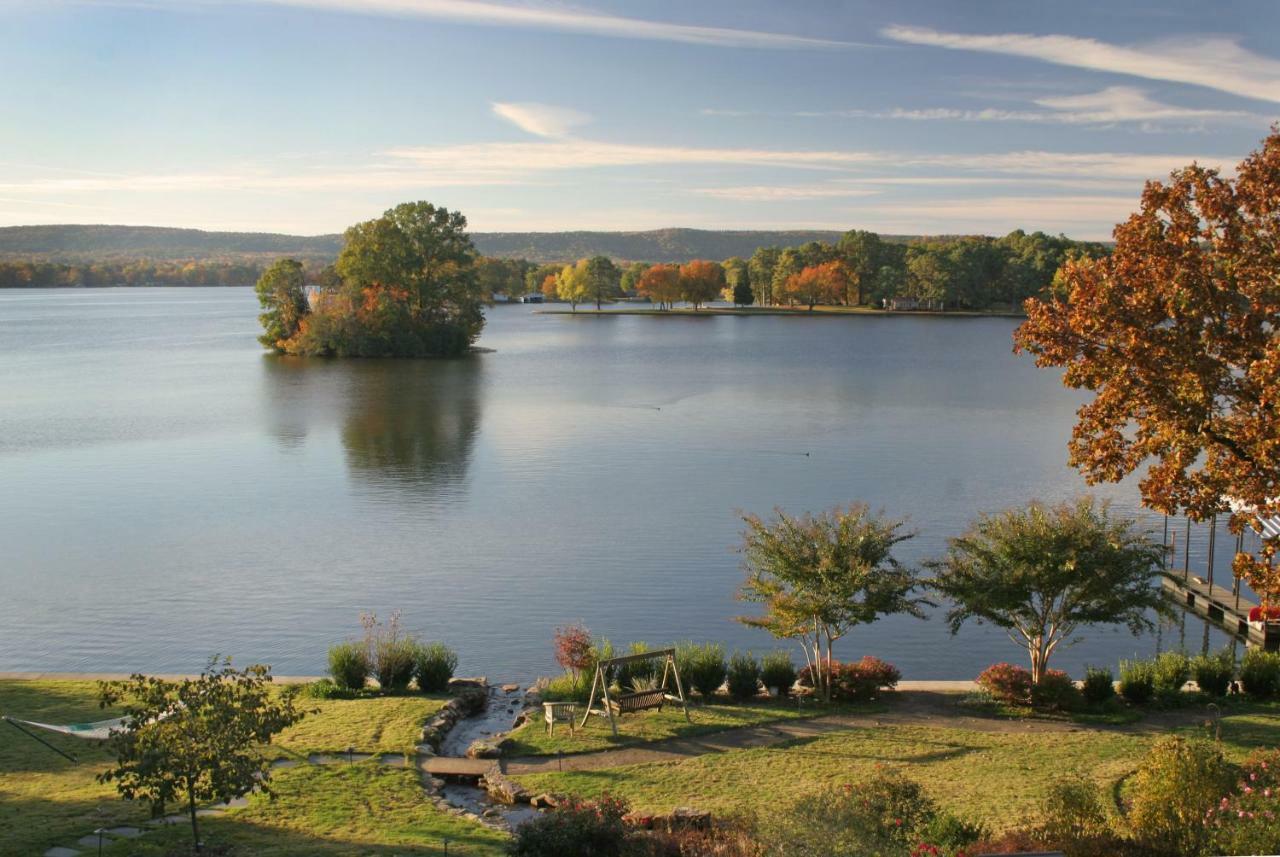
940 685
821 312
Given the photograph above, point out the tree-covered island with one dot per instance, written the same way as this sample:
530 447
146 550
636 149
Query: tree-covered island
404 285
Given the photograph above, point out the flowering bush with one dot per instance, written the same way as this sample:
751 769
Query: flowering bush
1056 691
1175 783
574 829
857 681
574 650
1007 683
1247 821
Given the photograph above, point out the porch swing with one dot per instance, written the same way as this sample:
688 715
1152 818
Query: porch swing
637 700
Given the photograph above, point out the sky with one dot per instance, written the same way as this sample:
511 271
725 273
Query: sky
305 116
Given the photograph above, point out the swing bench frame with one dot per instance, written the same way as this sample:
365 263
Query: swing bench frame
640 700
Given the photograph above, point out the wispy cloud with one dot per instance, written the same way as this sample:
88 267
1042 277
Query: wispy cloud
570 20
1217 63
783 193
542 120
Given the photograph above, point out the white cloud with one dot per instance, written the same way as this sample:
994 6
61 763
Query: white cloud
782 193
1088 217
568 20
1217 63
543 120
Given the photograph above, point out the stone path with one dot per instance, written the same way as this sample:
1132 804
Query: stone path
919 707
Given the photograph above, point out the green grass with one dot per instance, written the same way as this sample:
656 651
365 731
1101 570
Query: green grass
391 724
644 727
366 808
994 777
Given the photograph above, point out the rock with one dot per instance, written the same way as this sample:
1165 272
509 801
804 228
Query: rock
491 812
521 719
510 688
502 789
684 818
458 683
546 800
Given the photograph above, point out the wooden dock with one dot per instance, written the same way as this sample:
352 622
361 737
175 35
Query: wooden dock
1221 606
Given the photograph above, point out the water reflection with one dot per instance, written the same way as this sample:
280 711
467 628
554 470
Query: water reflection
405 425
411 425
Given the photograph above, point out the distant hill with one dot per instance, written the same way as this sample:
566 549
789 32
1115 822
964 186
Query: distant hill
91 243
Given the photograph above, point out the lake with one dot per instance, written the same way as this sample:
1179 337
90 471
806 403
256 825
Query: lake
170 491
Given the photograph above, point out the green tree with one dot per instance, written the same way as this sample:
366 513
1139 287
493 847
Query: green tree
737 280
863 255
819 576
424 251
197 739
282 294
602 279
788 264
760 268
1043 573
630 281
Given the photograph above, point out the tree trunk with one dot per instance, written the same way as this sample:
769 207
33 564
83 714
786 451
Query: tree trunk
191 808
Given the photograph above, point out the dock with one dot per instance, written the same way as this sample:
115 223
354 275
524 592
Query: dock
1226 609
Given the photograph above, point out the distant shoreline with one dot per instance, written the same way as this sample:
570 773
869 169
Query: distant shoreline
825 312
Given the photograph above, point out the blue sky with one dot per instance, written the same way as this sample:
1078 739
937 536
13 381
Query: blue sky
308 115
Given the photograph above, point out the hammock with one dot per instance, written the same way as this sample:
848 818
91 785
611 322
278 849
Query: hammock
99 730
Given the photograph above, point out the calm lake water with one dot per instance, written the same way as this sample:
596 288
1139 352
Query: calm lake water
170 491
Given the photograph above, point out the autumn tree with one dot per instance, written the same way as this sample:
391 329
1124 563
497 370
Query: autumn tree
788 264
283 296
701 281
819 284
573 284
819 576
1175 334
630 280
660 284
1043 573
195 740
550 286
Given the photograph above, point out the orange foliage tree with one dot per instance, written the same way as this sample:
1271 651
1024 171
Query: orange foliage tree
548 287
1176 334
660 284
701 281
818 284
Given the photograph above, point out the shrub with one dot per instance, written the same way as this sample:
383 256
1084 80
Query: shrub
703 667
1055 692
1170 672
863 680
1213 673
949 834
1073 810
886 815
574 829
566 688
349 666
574 649
1260 673
628 674
1176 782
1137 681
777 672
390 652
1247 821
433 666
744 676
1007 683
326 689
1099 685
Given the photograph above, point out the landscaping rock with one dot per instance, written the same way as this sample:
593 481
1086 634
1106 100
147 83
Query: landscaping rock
684 818
459 683
504 790
546 800
510 688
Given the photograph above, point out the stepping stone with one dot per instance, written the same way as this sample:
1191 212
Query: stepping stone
285 763
91 841
395 760
124 832
59 851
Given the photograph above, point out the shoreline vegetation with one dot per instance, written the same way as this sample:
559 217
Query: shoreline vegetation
796 312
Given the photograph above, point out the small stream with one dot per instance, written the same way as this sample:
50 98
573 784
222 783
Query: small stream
498 716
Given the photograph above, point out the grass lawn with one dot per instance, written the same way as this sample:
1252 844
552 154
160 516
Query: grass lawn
532 739
366 808
995 777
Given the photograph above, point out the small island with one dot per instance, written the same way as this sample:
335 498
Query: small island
404 285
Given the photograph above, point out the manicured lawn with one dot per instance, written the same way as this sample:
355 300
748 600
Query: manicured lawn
996 777
391 724
366 808
532 738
